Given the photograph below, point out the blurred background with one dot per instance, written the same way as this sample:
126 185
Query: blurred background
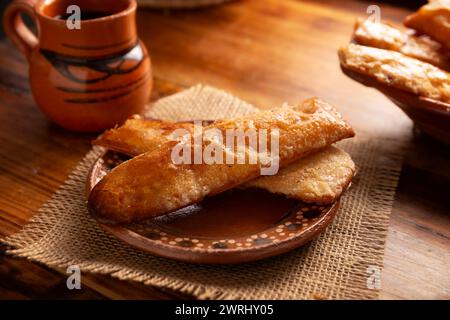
406 3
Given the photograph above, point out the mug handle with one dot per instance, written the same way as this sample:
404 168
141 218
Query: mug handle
16 30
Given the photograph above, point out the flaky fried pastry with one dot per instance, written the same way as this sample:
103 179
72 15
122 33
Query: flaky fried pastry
432 19
397 70
384 36
320 177
137 136
151 184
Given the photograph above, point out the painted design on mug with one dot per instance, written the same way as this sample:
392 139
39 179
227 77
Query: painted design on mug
118 64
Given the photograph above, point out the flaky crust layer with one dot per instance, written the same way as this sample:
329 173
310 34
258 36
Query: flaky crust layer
384 36
137 136
397 70
151 184
320 177
432 19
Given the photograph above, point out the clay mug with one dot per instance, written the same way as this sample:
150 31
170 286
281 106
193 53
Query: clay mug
87 74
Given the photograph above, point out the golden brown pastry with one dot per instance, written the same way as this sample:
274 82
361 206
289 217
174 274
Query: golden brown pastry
432 19
137 136
320 177
397 70
384 36
151 184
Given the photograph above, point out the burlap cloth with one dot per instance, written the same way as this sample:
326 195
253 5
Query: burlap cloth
332 266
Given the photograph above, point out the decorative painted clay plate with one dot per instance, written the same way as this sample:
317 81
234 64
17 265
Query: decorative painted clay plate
236 226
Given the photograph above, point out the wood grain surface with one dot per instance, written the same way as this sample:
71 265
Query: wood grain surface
265 52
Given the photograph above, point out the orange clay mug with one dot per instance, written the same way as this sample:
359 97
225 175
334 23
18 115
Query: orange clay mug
86 77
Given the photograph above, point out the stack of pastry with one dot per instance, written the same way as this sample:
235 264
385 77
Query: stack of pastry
150 184
415 60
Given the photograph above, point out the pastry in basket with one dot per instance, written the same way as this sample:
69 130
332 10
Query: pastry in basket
318 178
151 184
432 19
397 70
384 36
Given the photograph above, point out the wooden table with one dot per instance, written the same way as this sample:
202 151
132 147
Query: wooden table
266 52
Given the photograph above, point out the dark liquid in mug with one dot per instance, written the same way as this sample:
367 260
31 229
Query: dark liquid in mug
85 15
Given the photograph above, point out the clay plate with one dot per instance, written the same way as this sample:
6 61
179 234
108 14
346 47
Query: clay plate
233 227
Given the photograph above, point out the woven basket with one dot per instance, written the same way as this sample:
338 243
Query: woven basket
180 4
